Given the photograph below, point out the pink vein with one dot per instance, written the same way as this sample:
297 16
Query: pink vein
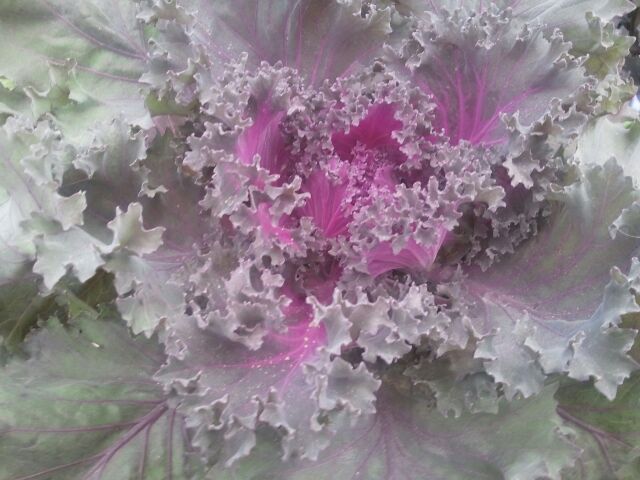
149 419
145 452
91 38
103 457
172 420
58 468
95 72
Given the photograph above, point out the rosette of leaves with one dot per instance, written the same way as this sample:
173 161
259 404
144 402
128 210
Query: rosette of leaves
317 239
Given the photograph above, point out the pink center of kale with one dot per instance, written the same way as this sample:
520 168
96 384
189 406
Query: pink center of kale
367 163
367 155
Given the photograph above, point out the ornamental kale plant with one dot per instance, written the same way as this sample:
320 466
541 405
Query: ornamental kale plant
318 239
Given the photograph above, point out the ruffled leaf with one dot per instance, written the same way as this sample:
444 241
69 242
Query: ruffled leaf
556 305
228 391
406 439
35 216
567 15
610 136
479 68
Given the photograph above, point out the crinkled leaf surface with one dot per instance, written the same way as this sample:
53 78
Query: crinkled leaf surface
479 68
613 136
607 431
564 14
553 304
25 192
172 208
587 24
288 383
139 205
407 440
85 406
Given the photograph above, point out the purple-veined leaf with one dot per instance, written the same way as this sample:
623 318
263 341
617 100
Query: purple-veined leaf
555 306
82 61
85 406
408 439
479 68
607 431
321 39
227 390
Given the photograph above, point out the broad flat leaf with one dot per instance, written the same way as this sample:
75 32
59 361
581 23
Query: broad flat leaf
607 431
91 53
84 406
408 440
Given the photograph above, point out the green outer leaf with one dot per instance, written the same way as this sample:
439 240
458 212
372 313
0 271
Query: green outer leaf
80 60
609 432
613 136
85 406
20 308
12 101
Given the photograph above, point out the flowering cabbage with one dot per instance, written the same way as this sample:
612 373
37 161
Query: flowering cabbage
254 239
